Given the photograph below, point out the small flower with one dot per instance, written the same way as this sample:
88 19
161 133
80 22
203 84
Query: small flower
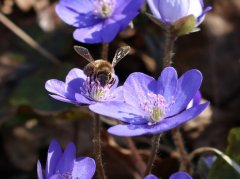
180 175
177 175
80 89
153 106
65 165
169 11
98 21
150 177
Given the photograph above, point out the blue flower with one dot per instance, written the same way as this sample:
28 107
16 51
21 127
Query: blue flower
79 89
153 106
169 11
177 175
180 175
98 21
66 165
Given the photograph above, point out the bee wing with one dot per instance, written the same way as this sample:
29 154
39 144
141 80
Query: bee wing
83 52
120 53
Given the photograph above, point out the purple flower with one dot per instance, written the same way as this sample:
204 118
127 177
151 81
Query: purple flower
65 165
98 21
79 89
168 11
180 175
153 106
177 175
151 177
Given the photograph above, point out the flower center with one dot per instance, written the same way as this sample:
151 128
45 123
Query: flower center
104 8
94 91
155 107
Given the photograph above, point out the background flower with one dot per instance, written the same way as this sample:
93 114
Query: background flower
177 175
98 20
153 106
78 90
180 175
168 11
65 165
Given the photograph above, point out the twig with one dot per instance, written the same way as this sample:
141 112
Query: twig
26 38
141 166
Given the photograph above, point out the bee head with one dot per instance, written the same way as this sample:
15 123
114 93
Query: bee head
104 77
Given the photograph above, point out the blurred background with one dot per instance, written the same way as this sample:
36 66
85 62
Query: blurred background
35 45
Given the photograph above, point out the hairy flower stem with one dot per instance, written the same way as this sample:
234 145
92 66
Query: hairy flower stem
135 155
104 54
155 146
184 159
168 50
97 147
177 137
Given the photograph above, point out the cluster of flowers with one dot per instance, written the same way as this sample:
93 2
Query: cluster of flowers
145 105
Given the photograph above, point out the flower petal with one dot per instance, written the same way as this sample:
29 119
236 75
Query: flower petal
39 170
65 165
151 177
188 84
167 83
63 99
172 10
85 35
74 18
136 88
76 73
56 87
109 31
79 6
153 5
180 175
165 125
54 155
84 168
202 16
74 81
83 100
117 94
195 8
119 110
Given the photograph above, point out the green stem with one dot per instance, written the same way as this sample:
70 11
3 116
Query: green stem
97 147
155 146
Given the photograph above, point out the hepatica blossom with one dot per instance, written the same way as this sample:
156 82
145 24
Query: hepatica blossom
65 165
79 89
168 11
177 175
153 106
98 21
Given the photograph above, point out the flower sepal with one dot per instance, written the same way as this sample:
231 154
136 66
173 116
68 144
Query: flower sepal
184 26
158 22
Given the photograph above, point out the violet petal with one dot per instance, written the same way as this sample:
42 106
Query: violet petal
188 84
165 125
54 155
65 165
119 110
84 168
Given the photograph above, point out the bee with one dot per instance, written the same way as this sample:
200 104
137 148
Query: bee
101 70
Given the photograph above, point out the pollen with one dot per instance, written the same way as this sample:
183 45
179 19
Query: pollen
94 91
104 8
155 108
